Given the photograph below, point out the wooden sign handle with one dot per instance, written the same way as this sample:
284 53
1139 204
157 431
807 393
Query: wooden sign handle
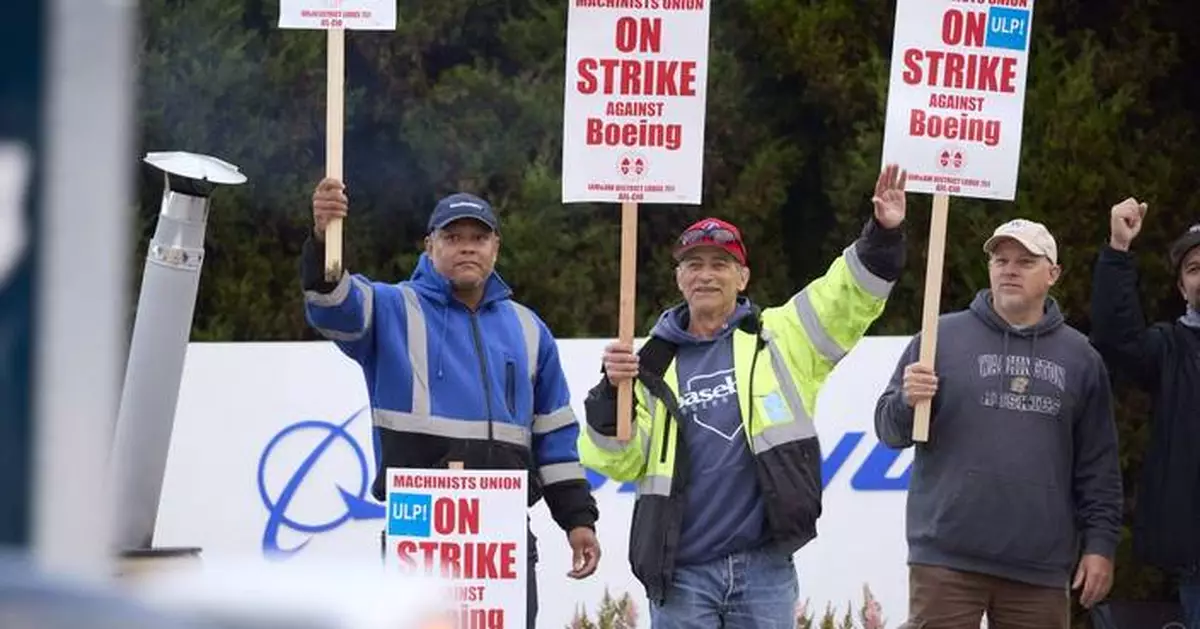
335 77
456 465
933 298
629 217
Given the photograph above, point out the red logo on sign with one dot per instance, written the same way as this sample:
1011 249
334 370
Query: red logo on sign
632 166
952 158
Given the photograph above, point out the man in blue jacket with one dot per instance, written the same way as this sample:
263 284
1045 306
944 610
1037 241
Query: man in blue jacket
456 370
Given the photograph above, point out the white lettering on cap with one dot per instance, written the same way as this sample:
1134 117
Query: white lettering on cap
462 203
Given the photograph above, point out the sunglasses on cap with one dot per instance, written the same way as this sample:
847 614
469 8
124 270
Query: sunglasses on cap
718 235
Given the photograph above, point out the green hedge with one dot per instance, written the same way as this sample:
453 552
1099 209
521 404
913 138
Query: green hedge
468 95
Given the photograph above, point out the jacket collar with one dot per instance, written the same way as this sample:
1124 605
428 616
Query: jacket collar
426 280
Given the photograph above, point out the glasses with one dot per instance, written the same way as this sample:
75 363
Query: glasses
718 235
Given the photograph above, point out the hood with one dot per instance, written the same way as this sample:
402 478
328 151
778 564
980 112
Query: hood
672 325
426 280
981 306
429 283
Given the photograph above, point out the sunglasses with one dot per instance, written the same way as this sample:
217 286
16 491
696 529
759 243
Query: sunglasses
718 235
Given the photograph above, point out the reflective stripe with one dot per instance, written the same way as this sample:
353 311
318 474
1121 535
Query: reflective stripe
561 472
813 328
338 335
869 282
610 444
529 330
651 401
543 424
779 434
450 428
368 309
654 486
645 446
332 298
604 442
418 350
790 393
801 426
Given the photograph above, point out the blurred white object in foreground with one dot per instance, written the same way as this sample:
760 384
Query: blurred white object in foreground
16 165
261 595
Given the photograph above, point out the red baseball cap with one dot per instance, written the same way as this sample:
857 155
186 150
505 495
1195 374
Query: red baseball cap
712 232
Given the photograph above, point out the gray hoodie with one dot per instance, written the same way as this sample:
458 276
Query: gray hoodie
1020 473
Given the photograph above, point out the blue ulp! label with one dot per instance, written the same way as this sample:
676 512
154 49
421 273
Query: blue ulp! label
409 515
1008 28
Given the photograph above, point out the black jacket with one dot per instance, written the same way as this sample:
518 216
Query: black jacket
1164 360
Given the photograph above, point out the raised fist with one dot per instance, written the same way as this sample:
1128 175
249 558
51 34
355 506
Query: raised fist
1126 223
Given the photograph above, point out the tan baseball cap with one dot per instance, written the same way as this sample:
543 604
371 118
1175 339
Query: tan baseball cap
1032 235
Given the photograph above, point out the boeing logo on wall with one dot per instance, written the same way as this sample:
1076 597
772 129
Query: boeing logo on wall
359 505
874 474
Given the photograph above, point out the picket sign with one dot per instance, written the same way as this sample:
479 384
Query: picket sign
466 529
956 100
335 17
633 123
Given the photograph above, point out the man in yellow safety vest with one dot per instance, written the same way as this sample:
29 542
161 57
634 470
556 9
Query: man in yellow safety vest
723 445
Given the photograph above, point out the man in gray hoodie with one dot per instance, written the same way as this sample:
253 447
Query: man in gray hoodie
1016 497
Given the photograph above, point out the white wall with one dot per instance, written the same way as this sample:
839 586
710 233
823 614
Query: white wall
242 413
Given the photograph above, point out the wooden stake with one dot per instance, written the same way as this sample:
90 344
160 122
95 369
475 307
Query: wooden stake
334 117
456 465
933 299
629 215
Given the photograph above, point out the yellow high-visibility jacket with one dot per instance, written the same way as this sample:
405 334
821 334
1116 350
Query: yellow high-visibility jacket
781 359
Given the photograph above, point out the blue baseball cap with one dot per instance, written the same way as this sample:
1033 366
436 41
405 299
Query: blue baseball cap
462 205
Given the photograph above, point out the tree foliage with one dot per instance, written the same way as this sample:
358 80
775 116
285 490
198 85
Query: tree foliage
468 95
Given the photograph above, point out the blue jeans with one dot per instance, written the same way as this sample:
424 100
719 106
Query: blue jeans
751 590
1189 598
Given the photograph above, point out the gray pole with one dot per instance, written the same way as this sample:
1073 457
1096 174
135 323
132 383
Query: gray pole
161 332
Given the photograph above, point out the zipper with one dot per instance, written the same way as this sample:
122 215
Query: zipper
666 424
510 387
487 387
759 344
666 437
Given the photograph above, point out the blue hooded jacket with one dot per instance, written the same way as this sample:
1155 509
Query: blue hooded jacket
447 384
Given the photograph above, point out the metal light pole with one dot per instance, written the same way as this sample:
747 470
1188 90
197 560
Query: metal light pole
159 344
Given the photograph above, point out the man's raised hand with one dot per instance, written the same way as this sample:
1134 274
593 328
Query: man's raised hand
889 200
1126 223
